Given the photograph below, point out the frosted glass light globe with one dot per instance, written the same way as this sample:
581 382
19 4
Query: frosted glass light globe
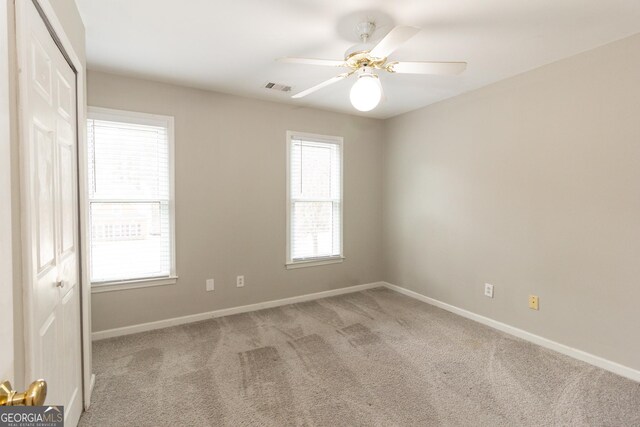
366 92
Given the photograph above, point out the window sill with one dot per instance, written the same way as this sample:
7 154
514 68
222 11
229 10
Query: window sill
122 285
314 262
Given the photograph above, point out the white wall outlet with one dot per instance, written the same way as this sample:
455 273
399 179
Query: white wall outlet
240 281
488 290
210 285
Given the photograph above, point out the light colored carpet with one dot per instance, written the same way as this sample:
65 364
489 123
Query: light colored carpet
368 358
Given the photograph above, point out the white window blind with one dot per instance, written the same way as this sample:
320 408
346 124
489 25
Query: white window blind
315 198
130 197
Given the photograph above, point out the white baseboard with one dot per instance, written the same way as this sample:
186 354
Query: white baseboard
142 327
594 360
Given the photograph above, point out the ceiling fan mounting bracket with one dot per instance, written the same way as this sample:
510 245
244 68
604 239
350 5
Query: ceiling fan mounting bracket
365 30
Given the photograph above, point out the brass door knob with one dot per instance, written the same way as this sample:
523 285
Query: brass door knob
34 396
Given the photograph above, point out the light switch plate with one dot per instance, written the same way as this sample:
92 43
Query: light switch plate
210 285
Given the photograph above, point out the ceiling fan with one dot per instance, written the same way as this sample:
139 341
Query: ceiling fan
364 59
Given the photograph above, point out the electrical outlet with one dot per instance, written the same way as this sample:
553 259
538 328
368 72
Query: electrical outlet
488 290
533 302
210 285
240 281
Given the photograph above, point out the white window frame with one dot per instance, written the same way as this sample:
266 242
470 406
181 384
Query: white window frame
134 117
338 140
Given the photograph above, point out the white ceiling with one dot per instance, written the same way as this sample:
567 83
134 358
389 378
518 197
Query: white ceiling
230 45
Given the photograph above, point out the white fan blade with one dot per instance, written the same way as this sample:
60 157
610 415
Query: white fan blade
442 68
323 84
393 40
313 61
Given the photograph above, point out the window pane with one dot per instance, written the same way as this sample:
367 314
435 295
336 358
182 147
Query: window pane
129 240
128 161
315 229
315 170
129 193
315 189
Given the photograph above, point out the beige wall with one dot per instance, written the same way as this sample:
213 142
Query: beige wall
230 200
531 184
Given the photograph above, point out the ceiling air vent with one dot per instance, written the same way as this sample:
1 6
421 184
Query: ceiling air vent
278 87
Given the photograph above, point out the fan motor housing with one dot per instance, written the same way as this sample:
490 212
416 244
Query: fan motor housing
362 58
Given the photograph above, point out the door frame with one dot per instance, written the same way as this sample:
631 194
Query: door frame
61 38
6 191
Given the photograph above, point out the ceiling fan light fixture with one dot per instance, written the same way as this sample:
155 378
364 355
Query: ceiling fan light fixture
366 92
364 58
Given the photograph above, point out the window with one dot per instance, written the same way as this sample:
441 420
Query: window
314 199
130 170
